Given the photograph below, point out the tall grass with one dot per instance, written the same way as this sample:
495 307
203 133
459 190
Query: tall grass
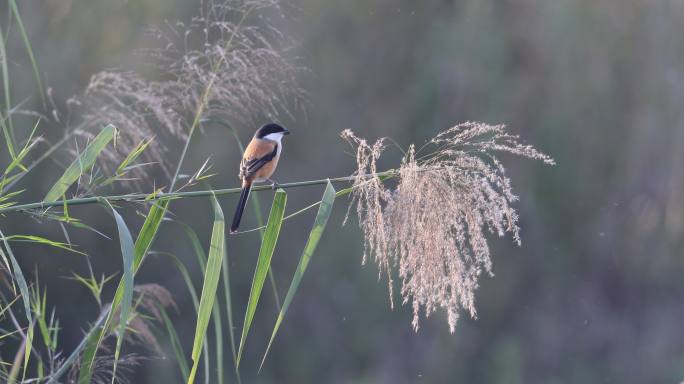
87 174
130 314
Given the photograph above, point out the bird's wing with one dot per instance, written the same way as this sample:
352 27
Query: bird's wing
257 154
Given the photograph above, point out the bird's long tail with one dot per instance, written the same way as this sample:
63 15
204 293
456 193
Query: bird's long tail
244 195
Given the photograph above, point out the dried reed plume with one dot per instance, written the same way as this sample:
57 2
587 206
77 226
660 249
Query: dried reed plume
432 225
150 298
227 64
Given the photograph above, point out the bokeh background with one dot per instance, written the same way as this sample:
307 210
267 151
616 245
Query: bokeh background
593 295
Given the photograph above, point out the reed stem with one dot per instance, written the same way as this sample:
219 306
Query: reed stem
139 197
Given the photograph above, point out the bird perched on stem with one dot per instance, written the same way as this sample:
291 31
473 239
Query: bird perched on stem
258 163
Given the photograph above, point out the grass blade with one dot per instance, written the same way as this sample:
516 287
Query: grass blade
81 164
9 304
196 244
215 311
195 301
218 333
17 161
29 50
14 179
148 232
44 241
19 276
320 222
225 271
22 355
27 349
268 243
211 278
175 343
40 312
7 129
128 254
256 205
90 344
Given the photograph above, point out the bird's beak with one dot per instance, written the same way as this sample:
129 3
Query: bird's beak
286 132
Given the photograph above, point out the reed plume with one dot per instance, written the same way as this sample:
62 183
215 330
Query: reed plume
228 63
431 227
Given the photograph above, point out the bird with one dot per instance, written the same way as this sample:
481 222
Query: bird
259 161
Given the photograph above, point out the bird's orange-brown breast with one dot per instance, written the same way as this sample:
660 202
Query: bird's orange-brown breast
256 150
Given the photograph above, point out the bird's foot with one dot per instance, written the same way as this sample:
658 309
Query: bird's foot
274 184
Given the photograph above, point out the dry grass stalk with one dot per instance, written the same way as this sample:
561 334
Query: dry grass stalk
432 227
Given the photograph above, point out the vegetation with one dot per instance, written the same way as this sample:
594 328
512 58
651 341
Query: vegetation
430 224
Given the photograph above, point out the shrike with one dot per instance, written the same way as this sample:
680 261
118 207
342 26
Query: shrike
258 163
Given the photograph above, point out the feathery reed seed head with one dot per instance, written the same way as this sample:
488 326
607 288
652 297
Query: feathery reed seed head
149 298
431 227
229 64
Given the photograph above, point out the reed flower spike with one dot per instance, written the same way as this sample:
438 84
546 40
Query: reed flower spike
431 227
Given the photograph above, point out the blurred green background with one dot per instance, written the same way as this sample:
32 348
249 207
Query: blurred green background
593 295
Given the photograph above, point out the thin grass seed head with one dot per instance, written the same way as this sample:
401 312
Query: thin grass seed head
430 230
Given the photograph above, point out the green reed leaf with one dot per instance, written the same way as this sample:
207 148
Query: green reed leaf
6 121
211 277
44 241
81 164
225 271
319 225
127 254
195 301
268 244
175 343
